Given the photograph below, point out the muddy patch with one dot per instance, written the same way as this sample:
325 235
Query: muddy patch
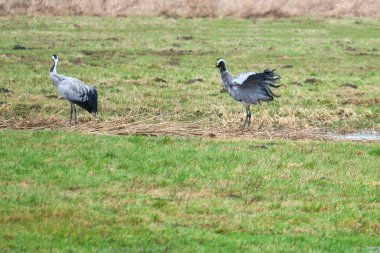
296 83
159 80
185 37
78 26
368 53
170 52
174 52
174 61
4 90
54 96
359 136
312 80
262 146
362 54
195 80
19 47
88 52
349 85
350 48
361 101
77 61
101 53
113 39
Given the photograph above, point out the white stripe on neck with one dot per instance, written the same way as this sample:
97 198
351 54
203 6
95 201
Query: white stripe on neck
220 60
55 66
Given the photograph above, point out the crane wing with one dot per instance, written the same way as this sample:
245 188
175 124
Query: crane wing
240 79
75 90
267 78
253 88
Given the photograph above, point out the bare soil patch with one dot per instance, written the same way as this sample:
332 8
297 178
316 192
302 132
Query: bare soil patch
312 80
195 80
349 85
4 90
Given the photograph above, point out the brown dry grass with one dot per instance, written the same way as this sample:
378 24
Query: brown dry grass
194 8
160 126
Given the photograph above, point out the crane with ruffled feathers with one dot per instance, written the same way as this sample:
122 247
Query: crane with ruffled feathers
249 88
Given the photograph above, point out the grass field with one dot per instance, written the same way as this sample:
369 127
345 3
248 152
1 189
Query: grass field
83 193
153 66
67 191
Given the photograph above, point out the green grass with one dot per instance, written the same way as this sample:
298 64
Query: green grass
68 192
123 57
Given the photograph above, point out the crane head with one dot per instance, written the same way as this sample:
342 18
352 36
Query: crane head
54 57
221 64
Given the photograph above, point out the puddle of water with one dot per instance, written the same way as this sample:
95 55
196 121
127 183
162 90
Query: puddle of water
361 136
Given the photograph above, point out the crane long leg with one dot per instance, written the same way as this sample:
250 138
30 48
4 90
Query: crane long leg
248 116
75 112
71 112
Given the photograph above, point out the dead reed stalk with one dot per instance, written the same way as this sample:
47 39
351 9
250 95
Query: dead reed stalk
194 8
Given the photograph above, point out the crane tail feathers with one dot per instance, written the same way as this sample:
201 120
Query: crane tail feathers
271 81
91 104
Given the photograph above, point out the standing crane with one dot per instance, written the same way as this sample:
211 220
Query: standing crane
249 87
75 91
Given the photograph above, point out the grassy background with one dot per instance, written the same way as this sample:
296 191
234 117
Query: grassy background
65 191
126 58
70 192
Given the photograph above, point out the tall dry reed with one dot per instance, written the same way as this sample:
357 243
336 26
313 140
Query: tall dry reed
194 8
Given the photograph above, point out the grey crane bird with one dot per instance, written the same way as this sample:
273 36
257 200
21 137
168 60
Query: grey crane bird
249 87
75 91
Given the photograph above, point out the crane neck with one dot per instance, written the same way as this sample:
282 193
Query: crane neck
54 67
222 68
226 78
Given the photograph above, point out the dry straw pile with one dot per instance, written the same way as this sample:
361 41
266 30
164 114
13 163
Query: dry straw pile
194 8
159 126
